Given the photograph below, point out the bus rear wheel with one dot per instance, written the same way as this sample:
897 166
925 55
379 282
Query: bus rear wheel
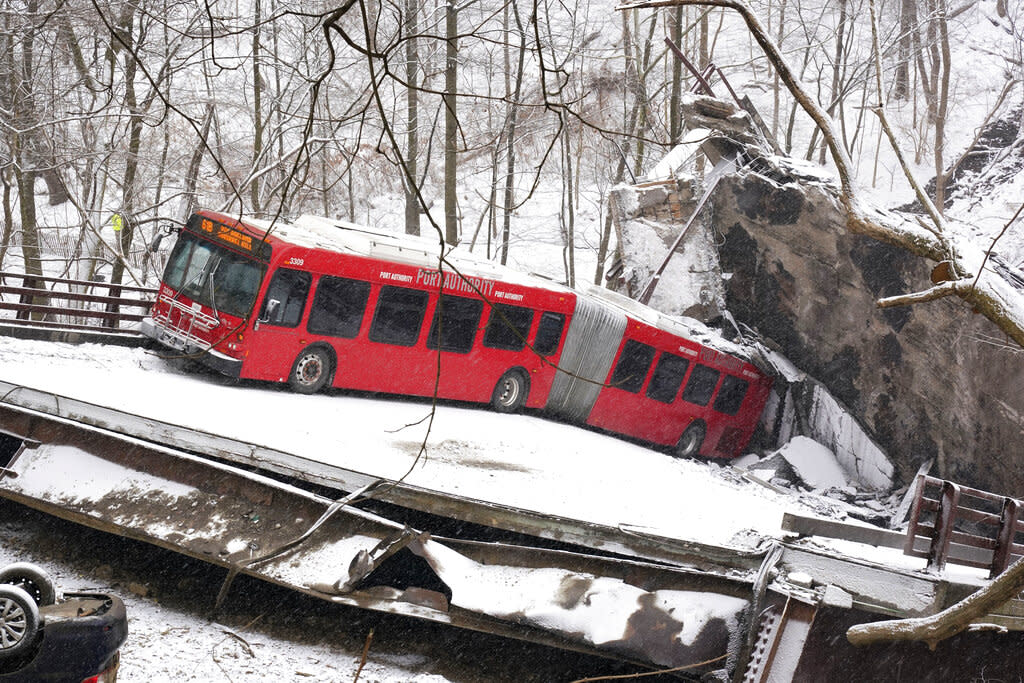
691 440
311 371
511 391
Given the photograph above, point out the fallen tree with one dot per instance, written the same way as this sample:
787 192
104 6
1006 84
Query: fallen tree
950 621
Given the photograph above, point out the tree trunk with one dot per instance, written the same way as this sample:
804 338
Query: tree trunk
675 118
510 137
412 202
24 171
131 164
908 24
950 621
451 125
8 217
941 104
257 109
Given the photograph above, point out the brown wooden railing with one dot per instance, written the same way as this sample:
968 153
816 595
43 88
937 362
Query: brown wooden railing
965 525
33 299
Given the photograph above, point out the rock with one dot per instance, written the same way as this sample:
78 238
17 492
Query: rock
139 589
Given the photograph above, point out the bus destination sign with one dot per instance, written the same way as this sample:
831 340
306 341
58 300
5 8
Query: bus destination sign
225 234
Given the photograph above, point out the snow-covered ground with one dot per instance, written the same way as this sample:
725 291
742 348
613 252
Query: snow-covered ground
525 461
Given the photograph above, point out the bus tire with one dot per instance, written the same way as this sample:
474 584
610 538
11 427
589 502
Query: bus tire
19 622
31 579
692 439
511 391
311 370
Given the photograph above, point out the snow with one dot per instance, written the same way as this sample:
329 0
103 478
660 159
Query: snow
815 464
522 461
93 477
601 613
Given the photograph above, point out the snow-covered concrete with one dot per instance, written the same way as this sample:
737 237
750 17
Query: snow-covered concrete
523 461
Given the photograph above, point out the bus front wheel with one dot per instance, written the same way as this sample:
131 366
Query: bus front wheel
311 371
691 440
511 391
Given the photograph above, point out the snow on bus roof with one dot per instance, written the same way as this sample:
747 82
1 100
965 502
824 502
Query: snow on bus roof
689 328
315 232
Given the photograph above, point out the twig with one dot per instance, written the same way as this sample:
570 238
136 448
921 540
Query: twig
645 674
245 643
879 111
988 252
366 651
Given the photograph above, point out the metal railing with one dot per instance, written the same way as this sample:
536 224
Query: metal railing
32 299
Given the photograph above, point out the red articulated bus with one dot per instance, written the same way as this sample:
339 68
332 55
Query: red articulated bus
318 302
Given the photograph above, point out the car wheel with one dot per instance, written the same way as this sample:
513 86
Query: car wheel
511 391
19 621
311 371
31 579
691 440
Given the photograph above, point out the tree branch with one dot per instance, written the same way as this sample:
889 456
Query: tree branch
948 622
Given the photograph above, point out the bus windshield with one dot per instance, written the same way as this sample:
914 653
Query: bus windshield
213 275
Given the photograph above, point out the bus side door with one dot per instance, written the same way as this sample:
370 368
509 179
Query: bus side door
278 334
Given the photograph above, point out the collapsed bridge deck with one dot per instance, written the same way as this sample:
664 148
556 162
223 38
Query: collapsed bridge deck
248 509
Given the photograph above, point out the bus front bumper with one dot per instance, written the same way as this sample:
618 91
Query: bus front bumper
215 360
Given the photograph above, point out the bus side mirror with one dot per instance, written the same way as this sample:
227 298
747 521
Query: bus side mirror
270 310
159 237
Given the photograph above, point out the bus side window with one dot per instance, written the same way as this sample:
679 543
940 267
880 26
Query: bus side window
338 307
730 396
634 362
668 377
459 318
399 316
289 288
507 327
549 333
701 385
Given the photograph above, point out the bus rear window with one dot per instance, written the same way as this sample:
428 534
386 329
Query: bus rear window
730 396
549 333
507 327
632 367
458 318
338 307
668 377
701 385
399 316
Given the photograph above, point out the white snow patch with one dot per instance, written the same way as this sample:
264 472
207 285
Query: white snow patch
815 464
93 477
538 596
